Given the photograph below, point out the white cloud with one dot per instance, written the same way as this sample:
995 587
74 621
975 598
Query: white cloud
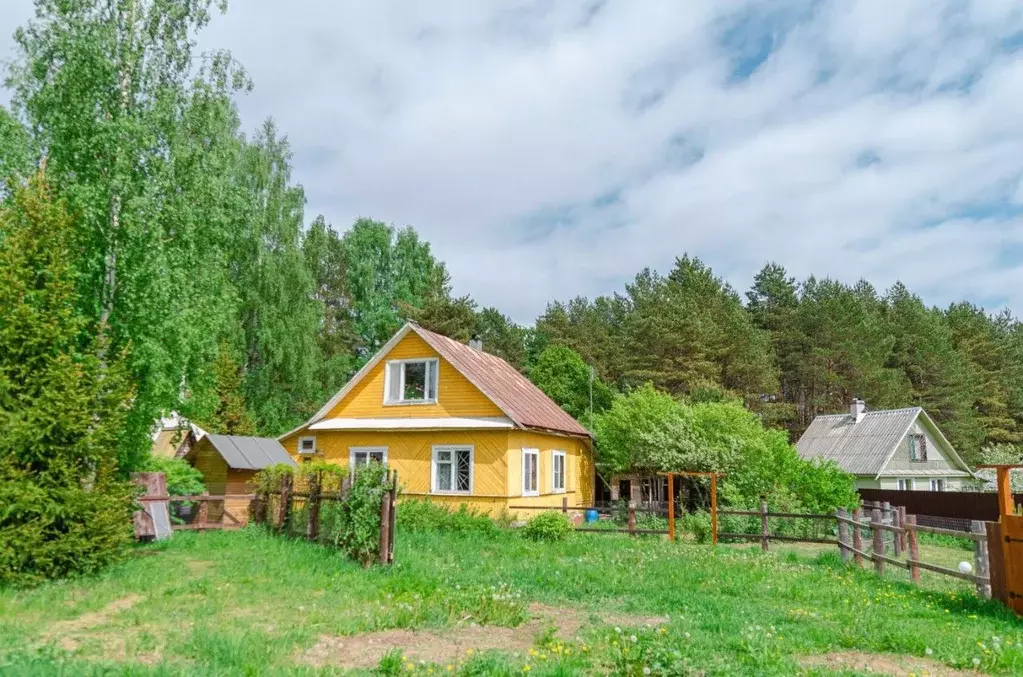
878 139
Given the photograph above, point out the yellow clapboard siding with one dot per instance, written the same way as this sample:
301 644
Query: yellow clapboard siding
578 470
456 396
411 454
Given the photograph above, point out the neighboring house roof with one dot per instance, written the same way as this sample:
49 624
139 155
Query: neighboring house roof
248 453
866 446
525 405
171 436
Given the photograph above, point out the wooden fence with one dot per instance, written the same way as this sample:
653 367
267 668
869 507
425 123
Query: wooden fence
965 505
310 512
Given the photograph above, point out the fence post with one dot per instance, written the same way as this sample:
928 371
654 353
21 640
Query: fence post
284 510
393 493
897 535
671 507
996 562
857 537
258 507
843 534
914 547
204 512
632 518
385 526
887 517
902 535
312 528
980 559
878 539
564 504
764 539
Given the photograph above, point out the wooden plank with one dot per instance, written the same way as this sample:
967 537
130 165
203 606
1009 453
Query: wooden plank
663 532
948 572
914 547
878 540
202 497
857 537
765 543
843 537
996 562
949 532
980 559
714 509
792 539
671 507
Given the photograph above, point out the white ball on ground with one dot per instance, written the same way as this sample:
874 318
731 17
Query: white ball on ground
965 568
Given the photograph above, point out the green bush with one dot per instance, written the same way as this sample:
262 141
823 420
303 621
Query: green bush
182 478
359 527
697 525
548 526
424 516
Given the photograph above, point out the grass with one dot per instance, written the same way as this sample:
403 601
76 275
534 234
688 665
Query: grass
245 603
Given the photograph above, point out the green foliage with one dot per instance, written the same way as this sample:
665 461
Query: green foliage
420 516
549 525
646 431
359 533
182 478
561 373
649 431
62 509
696 524
228 414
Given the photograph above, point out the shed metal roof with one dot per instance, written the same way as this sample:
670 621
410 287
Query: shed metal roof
859 448
249 453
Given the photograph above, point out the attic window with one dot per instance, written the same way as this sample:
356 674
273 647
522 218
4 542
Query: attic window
307 445
411 382
917 448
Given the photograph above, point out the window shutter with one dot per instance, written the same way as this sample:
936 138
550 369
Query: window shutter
394 382
432 367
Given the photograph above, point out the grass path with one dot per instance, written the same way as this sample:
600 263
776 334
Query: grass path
244 603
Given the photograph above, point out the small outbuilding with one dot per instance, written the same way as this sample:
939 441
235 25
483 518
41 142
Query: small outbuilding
228 464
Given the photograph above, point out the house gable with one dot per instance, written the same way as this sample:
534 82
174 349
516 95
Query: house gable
456 395
941 456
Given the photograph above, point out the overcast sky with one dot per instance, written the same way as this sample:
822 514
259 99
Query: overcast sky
549 149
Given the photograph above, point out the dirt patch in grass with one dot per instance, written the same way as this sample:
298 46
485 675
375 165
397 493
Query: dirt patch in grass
198 567
366 650
900 666
65 631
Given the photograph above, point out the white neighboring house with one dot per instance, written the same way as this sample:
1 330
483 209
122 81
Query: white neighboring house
890 449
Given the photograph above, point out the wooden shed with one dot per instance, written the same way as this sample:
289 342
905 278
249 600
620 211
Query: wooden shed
228 464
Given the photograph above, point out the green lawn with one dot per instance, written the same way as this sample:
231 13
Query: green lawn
246 603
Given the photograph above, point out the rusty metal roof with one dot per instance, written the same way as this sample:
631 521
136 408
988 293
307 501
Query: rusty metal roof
521 401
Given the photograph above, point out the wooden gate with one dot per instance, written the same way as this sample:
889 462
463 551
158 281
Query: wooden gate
1012 549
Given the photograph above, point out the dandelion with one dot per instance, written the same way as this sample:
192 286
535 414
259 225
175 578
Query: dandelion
688 635
633 639
646 670
618 630
526 668
976 661
929 651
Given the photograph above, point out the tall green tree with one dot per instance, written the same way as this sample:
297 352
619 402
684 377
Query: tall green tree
501 336
62 508
561 373
17 155
279 313
134 136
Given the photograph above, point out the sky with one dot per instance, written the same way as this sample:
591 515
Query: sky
554 149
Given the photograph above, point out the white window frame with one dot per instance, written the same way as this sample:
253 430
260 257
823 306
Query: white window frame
301 445
432 367
453 448
352 451
917 443
908 482
535 453
555 455
938 484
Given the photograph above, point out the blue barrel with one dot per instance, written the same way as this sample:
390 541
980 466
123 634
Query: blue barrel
591 516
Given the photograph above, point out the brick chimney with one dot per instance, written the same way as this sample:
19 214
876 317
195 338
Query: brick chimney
857 409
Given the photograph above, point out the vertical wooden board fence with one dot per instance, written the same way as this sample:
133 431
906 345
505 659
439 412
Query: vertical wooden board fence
1012 548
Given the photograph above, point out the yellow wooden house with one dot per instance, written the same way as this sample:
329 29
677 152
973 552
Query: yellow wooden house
458 424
